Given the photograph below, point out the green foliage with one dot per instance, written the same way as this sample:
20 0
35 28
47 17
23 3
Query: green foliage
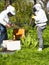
1 5
10 31
46 35
30 40
23 11
25 56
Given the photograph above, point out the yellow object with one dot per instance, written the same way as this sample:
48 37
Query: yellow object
18 33
33 16
21 32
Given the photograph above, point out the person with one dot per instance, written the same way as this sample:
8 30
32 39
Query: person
40 21
4 22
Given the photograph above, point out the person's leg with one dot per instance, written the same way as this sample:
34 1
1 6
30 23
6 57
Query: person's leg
39 32
3 33
0 36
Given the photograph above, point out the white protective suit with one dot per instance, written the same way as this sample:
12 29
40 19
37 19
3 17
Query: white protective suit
40 18
40 21
4 19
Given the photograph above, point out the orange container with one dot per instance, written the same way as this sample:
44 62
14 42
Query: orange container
18 33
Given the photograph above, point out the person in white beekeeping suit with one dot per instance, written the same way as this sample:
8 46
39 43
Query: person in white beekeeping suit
40 21
4 22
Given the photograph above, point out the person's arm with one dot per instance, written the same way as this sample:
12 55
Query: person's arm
6 22
35 17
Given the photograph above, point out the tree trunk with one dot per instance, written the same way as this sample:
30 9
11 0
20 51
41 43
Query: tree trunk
7 2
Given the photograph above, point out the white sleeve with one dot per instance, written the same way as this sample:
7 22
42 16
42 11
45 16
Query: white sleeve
4 17
5 21
36 18
41 17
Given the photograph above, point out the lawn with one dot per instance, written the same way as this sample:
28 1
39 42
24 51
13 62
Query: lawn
26 57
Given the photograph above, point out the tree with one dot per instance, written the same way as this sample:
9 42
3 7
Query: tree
7 2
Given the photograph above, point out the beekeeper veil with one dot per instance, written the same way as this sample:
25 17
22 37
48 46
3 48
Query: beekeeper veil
37 7
11 9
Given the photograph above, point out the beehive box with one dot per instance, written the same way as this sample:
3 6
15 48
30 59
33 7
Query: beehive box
11 45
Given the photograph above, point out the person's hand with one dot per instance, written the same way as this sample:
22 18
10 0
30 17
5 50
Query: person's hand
12 25
33 16
8 25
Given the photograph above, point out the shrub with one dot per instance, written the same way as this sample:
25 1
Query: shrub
1 5
30 40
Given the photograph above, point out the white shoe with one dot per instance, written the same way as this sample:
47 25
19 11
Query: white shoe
40 49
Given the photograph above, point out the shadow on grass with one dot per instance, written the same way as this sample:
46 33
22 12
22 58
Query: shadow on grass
46 46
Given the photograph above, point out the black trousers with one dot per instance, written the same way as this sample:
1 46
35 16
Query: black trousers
3 33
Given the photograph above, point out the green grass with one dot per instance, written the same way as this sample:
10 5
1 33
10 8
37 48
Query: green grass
26 57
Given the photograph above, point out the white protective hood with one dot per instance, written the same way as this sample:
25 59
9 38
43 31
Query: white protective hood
38 7
40 18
